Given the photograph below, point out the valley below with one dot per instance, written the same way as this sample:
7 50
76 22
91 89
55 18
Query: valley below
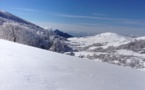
110 47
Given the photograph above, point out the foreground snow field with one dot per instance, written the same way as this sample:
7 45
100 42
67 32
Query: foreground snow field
28 68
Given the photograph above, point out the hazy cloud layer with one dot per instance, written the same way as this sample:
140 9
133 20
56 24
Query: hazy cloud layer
98 28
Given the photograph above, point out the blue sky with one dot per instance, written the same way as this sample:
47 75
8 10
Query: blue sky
91 16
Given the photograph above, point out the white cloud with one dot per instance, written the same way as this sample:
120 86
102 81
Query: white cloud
84 17
92 17
25 9
118 21
99 14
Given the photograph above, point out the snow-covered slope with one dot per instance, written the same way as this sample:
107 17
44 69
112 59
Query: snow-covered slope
140 38
28 68
107 39
18 30
105 47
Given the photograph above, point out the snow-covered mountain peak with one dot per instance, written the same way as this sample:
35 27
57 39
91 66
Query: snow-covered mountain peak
111 37
140 38
8 17
109 34
104 38
2 11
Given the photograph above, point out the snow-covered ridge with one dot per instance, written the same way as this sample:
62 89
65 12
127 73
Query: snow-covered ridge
140 38
103 37
10 17
3 11
105 47
28 68
21 31
108 39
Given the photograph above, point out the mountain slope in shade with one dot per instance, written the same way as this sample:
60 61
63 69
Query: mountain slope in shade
62 34
18 30
28 68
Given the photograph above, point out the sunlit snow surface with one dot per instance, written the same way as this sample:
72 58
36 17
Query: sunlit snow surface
28 68
108 38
